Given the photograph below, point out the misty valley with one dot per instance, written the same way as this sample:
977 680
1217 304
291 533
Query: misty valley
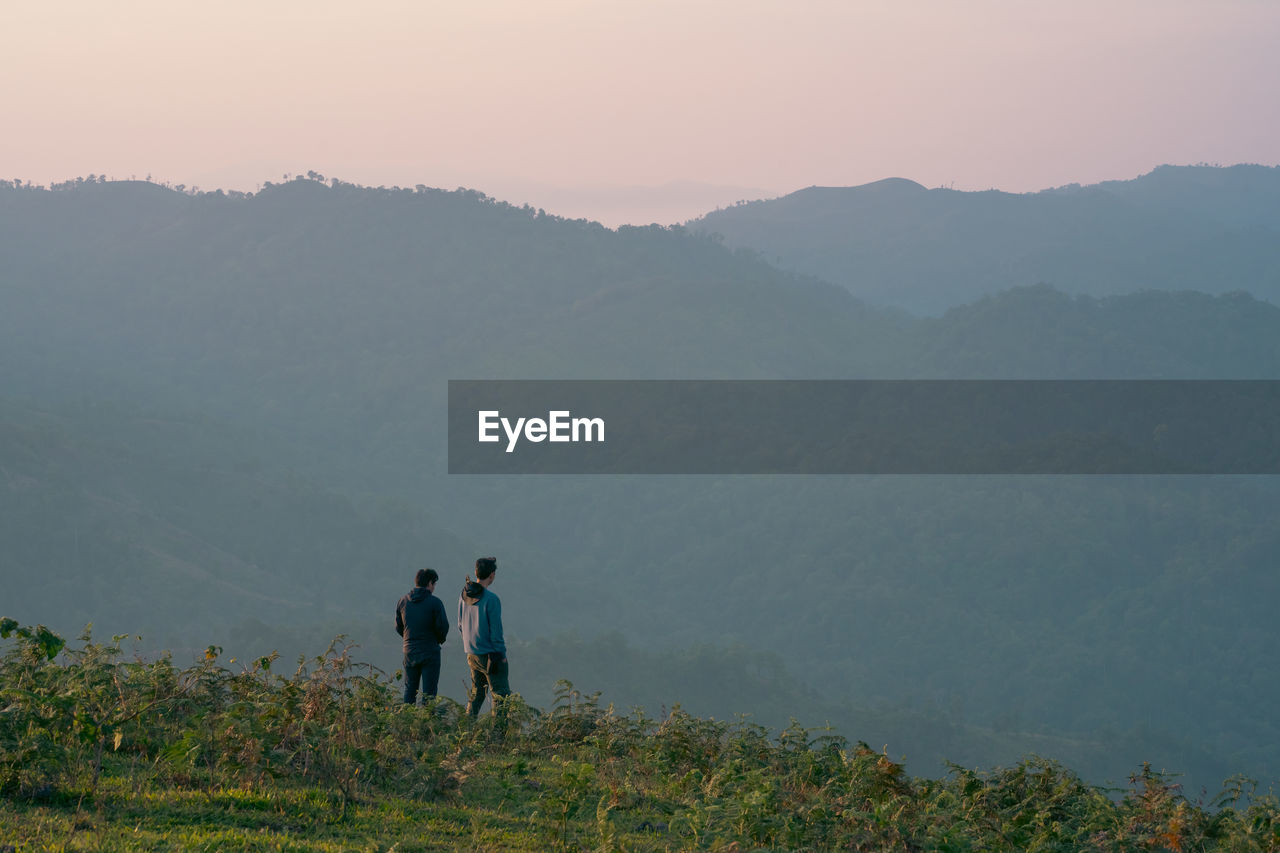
223 435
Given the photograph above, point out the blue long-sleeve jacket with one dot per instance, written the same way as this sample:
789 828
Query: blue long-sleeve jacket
480 621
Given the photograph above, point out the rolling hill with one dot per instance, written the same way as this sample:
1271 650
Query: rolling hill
896 243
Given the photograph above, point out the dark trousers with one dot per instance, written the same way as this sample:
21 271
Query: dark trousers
423 667
485 679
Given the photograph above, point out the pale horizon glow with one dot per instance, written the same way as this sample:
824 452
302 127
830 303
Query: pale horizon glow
636 108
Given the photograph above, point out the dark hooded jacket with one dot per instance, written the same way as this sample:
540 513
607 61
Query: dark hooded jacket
421 620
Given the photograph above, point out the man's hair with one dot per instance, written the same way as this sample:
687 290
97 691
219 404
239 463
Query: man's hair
425 576
486 566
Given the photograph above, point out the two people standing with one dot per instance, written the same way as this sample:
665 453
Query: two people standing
421 621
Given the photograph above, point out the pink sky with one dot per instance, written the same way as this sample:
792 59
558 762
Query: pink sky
567 103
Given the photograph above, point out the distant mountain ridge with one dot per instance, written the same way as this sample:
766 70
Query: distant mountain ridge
1242 195
896 243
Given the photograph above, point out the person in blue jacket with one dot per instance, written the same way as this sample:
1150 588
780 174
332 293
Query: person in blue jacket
480 621
421 620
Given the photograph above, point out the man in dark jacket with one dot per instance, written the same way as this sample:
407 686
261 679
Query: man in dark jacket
420 619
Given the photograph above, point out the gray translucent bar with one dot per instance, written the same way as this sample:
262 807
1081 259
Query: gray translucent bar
865 427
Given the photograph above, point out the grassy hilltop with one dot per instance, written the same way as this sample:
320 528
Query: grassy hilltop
101 753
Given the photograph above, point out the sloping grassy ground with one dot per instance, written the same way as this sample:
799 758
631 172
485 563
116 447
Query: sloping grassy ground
98 753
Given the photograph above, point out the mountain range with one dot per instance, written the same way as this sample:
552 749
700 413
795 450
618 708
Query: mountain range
223 421
896 243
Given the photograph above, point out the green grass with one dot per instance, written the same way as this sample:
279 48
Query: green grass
100 754
495 808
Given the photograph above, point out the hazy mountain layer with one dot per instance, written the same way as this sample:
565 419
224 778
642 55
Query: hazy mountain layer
896 243
312 329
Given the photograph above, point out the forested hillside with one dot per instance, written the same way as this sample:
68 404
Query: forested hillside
223 415
141 522
893 242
